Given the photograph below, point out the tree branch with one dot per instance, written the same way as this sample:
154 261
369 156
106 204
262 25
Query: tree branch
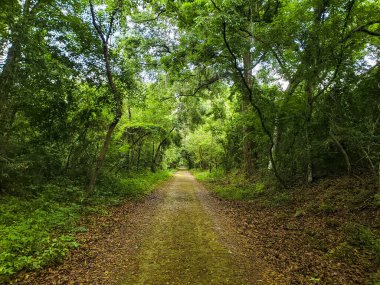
254 105
215 6
202 86
95 24
112 19
363 29
151 19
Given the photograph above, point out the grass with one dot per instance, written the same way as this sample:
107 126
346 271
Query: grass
38 228
189 253
230 187
234 186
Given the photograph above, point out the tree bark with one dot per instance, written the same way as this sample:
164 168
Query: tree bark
275 144
154 160
116 96
309 101
102 155
248 163
344 153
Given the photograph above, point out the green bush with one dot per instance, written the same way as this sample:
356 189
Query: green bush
376 200
278 199
232 186
35 229
343 252
31 232
207 176
31 248
135 185
232 192
362 237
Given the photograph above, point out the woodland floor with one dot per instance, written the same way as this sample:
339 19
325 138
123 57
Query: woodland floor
178 235
182 234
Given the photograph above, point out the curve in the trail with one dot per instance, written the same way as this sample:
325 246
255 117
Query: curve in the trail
182 245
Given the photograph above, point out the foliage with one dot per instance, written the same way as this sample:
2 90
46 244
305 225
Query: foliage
231 186
38 229
264 95
32 231
294 92
362 237
132 185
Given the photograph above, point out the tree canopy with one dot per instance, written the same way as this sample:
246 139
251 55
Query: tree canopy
283 92
287 89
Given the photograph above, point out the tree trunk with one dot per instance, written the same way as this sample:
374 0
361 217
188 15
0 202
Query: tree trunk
102 155
104 37
344 153
154 161
248 164
247 89
309 100
309 173
275 142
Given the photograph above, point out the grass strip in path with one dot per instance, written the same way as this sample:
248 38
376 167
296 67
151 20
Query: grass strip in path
182 246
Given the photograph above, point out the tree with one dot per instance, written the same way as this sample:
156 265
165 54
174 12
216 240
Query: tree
104 36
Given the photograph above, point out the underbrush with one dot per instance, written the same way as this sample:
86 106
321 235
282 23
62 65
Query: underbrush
334 221
37 227
131 185
230 187
234 186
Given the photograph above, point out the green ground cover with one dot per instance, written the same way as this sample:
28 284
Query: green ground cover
37 228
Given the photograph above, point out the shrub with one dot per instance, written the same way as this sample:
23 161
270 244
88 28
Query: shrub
362 237
207 176
35 228
232 186
376 200
281 199
27 246
233 192
343 252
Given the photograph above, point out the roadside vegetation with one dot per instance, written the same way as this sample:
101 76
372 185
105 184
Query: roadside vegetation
327 232
37 228
273 98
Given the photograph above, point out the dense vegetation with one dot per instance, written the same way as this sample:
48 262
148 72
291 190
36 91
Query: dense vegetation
98 98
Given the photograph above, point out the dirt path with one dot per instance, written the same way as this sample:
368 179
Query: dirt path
178 235
184 245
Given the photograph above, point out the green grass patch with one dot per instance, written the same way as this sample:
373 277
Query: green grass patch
232 186
362 237
207 176
360 240
114 187
37 228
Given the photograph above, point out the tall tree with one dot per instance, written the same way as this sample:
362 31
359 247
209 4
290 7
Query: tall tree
105 34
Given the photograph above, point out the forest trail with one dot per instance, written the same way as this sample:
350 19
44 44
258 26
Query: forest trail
187 243
180 234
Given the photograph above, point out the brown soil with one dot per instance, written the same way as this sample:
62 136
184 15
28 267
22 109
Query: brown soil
178 235
182 234
306 239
